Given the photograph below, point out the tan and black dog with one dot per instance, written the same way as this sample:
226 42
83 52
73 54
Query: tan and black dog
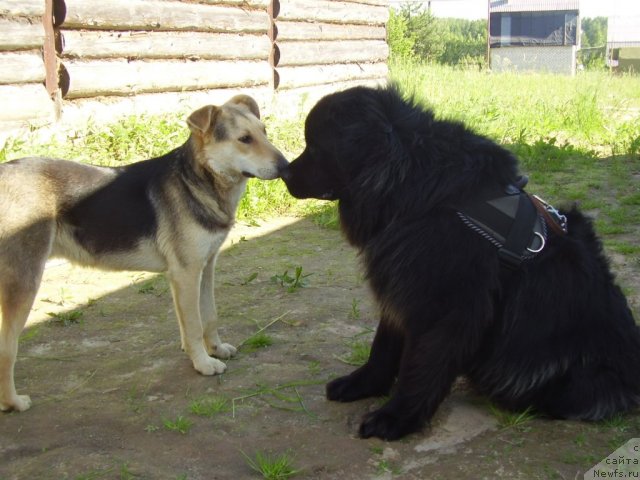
167 214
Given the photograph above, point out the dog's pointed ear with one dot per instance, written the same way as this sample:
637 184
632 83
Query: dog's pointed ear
201 120
247 102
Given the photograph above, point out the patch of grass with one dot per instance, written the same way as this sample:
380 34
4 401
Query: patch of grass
619 422
580 440
29 334
249 279
291 284
122 473
354 313
314 367
257 341
272 466
136 397
624 248
180 424
283 397
359 351
323 214
66 319
209 406
385 466
153 286
507 419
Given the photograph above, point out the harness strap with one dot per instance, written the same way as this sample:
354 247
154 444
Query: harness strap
520 233
512 220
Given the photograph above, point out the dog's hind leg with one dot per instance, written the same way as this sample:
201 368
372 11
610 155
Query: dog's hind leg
209 315
591 392
185 287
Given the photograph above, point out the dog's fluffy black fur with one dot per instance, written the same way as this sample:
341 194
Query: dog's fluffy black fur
556 335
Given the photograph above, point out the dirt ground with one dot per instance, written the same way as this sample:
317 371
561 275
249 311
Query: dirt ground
108 380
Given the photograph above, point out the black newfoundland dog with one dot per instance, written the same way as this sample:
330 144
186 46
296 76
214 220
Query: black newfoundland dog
472 275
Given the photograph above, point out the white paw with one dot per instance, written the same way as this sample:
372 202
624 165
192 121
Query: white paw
210 366
223 350
20 403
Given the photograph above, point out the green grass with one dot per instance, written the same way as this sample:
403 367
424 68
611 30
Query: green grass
508 419
207 406
180 424
592 109
66 319
257 341
292 283
359 351
272 466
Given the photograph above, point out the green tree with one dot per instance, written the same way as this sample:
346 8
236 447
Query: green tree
593 42
594 32
401 41
414 31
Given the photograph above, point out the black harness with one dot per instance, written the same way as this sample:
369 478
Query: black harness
516 223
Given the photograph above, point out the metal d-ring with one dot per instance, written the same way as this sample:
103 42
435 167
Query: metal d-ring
542 243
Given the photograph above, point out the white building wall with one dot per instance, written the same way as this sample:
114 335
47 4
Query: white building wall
535 59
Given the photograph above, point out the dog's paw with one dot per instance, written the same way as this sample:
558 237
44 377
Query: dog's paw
19 403
223 350
359 384
210 366
346 389
387 425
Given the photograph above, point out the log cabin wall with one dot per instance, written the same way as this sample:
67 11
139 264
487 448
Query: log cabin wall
23 96
72 59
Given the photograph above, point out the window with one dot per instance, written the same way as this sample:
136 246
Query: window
534 28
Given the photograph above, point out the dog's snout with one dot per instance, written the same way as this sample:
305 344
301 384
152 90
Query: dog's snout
284 171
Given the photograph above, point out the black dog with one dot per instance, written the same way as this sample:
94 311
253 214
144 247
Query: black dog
538 323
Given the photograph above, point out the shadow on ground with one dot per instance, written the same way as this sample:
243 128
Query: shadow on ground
112 390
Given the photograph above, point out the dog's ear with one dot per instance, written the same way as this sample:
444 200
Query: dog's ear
247 102
201 120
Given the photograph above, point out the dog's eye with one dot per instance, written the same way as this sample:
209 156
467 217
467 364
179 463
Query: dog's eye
246 139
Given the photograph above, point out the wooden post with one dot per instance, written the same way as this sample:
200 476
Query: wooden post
50 57
274 55
488 34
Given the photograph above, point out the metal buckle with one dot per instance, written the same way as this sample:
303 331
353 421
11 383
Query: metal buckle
555 214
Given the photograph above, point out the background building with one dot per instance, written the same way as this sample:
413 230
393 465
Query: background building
623 42
534 35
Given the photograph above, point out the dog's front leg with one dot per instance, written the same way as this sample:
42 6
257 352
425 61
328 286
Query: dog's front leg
16 304
209 314
431 360
185 287
375 377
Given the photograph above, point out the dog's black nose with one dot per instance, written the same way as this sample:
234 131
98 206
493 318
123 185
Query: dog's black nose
284 172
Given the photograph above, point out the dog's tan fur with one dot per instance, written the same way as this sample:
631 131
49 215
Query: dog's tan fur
187 201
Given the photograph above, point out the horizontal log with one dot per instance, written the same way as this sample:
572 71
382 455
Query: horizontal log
333 11
246 3
25 102
163 15
119 77
108 109
20 35
292 30
382 3
324 53
22 8
296 77
21 67
100 44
